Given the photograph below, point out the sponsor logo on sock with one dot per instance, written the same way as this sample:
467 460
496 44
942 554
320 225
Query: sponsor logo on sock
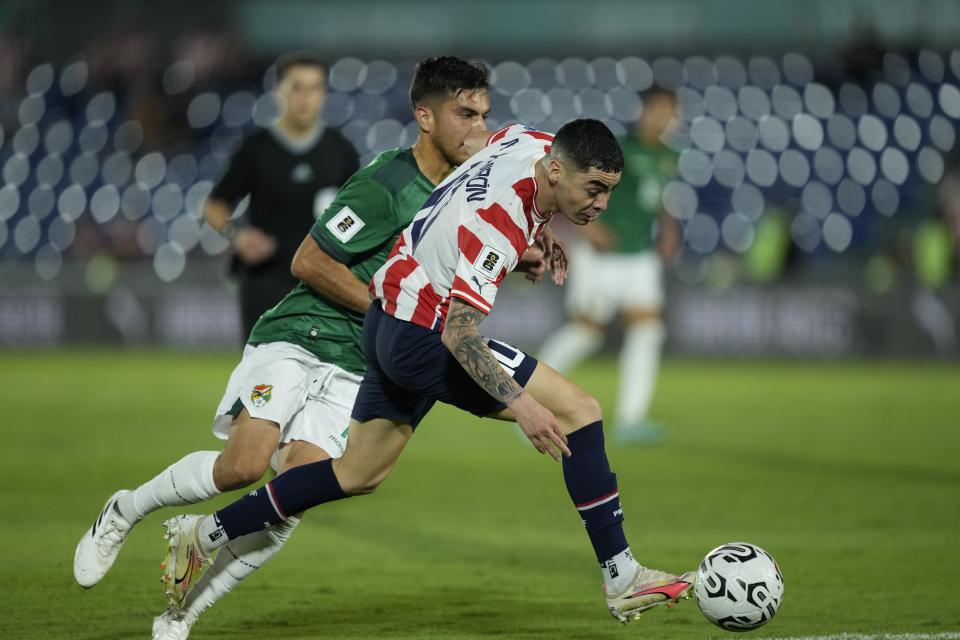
216 535
612 568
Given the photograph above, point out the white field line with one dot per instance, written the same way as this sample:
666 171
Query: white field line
949 635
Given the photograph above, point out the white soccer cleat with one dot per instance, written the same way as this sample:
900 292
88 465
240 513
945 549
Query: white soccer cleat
171 625
649 589
185 561
98 548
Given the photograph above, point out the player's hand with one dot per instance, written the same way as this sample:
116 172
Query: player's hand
555 254
253 246
540 426
533 263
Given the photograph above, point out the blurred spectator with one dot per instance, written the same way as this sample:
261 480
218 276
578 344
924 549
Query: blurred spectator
14 56
864 55
213 57
123 60
618 269
290 171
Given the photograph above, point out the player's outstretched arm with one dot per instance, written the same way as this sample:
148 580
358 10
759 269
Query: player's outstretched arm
329 278
462 337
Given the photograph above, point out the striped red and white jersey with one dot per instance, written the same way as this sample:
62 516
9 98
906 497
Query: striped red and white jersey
470 233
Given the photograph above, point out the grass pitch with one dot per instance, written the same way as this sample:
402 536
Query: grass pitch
848 474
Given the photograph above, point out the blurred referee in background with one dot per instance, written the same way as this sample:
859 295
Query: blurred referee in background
290 170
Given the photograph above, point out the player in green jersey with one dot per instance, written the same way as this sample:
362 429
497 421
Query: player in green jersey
290 397
618 268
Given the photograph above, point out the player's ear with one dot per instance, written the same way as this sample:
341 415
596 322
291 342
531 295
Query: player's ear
555 169
424 117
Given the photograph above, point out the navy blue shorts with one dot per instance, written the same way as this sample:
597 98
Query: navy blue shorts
409 368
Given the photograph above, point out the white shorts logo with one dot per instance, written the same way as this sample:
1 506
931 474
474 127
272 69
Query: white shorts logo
489 262
345 224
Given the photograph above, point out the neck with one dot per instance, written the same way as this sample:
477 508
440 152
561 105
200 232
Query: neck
295 131
545 199
430 161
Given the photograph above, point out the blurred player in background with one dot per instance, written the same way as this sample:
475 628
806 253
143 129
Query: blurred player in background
301 368
618 269
291 171
422 343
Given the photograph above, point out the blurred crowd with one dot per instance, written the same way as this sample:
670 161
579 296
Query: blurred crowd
783 169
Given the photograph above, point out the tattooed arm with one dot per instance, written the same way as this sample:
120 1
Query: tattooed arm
462 337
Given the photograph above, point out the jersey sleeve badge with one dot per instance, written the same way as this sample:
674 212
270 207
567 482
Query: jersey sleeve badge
345 224
489 262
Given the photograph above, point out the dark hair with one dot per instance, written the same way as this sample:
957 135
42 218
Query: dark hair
589 144
297 59
446 76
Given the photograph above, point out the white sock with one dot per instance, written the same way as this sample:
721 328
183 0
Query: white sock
237 559
186 481
618 572
639 361
572 343
210 534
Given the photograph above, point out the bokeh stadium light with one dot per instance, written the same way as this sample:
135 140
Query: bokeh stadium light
752 134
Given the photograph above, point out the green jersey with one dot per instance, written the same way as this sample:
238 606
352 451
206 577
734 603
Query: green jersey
636 203
358 229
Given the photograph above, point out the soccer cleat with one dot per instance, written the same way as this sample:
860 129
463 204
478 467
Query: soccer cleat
649 589
170 625
185 561
99 547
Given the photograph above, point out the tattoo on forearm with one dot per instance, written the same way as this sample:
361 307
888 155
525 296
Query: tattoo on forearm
473 354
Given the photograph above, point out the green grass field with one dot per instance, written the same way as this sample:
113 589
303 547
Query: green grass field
847 473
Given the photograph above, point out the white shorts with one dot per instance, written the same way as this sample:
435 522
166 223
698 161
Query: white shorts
311 400
602 284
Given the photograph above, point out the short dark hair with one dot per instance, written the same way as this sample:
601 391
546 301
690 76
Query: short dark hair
589 144
298 59
444 77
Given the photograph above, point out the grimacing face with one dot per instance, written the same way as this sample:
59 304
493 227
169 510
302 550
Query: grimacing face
455 119
583 195
302 92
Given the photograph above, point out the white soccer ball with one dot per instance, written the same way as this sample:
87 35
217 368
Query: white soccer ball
739 586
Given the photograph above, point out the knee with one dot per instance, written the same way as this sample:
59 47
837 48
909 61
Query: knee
583 409
235 473
366 486
358 482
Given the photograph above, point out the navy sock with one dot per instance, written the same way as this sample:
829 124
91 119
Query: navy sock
288 494
593 489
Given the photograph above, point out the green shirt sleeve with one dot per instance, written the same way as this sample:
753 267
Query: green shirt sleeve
360 219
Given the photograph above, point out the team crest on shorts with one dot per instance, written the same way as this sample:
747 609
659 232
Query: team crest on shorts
261 394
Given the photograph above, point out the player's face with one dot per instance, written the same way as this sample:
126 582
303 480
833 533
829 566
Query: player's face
583 195
456 119
302 92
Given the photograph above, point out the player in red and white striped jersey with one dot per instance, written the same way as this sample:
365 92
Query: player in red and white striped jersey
470 234
422 343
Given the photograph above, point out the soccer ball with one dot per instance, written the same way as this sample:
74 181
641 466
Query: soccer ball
739 586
